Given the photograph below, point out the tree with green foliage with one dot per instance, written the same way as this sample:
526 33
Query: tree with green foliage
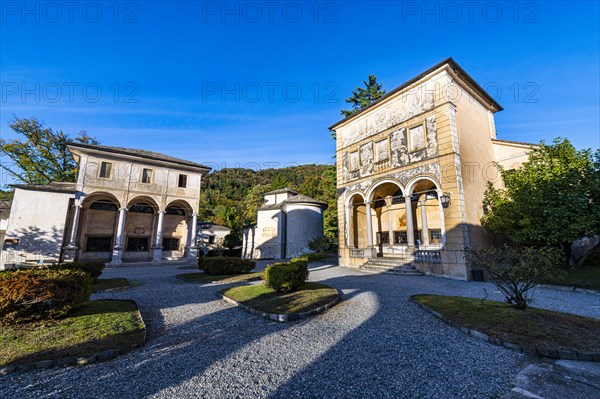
42 156
231 196
361 97
552 200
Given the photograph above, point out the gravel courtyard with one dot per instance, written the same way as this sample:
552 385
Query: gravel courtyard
374 344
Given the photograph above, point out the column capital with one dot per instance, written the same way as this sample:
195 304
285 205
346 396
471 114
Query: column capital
163 212
123 209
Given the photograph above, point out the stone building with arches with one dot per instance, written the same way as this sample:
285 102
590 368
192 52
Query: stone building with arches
128 205
412 170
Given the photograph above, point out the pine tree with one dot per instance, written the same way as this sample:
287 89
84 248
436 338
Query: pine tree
361 97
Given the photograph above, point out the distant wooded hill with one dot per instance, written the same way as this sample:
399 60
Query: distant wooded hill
231 196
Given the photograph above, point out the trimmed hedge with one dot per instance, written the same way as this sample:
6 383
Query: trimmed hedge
94 269
286 277
35 294
223 265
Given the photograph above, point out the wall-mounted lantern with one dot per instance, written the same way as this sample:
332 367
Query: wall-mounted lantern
445 200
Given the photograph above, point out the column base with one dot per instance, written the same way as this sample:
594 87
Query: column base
157 257
69 253
117 257
192 254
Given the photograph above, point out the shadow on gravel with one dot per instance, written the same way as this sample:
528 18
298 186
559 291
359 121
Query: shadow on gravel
401 352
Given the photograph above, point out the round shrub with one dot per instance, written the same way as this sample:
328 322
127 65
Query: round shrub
94 269
223 265
286 277
35 294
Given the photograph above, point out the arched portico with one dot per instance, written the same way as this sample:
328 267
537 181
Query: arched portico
394 219
430 228
176 231
95 217
139 227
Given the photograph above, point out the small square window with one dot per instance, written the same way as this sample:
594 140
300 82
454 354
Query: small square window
105 169
182 181
98 244
147 176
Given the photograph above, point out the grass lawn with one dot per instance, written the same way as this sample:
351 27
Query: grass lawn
94 327
222 278
586 277
310 296
102 284
530 327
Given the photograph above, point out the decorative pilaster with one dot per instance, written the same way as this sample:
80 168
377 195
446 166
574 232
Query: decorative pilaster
157 256
424 228
118 248
410 230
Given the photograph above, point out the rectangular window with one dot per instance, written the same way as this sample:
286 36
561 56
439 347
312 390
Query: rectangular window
137 243
182 181
98 244
383 237
147 176
105 169
170 244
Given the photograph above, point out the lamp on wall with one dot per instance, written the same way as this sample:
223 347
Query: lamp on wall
445 200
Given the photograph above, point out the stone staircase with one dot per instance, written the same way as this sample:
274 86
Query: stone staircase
391 265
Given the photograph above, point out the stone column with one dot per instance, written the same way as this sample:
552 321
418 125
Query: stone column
70 250
193 252
424 228
369 225
349 226
157 256
118 248
410 232
388 201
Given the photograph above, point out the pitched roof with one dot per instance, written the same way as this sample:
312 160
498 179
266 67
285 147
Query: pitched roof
281 191
140 153
55 187
457 69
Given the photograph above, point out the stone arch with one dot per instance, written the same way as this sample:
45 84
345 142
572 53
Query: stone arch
97 227
377 184
177 226
140 228
428 215
410 186
356 220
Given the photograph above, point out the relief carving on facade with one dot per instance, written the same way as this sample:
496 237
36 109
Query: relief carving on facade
410 104
366 159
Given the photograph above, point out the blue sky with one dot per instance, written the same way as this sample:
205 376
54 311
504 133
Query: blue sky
257 83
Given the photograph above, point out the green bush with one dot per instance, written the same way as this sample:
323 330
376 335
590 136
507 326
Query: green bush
34 294
223 265
94 269
287 277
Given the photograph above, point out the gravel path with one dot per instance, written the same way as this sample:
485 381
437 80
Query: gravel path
374 344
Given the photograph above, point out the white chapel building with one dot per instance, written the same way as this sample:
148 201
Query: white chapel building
286 222
128 205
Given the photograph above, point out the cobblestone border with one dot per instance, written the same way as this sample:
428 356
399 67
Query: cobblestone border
81 360
544 351
282 317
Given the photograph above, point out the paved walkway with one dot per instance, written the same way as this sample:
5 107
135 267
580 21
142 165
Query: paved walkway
374 344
